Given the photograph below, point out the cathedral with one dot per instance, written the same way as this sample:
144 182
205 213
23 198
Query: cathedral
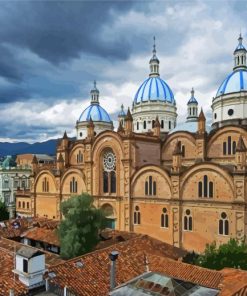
184 184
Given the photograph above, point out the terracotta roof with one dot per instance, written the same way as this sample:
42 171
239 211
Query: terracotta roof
7 249
43 234
85 280
234 282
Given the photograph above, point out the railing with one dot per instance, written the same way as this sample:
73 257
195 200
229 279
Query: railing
60 291
23 192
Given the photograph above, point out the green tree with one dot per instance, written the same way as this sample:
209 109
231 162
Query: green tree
79 230
4 214
232 254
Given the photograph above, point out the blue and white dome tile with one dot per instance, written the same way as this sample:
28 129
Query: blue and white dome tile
154 89
235 82
96 112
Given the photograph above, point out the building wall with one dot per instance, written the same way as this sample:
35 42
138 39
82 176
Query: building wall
140 156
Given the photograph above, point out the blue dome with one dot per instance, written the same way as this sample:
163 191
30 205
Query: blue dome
235 82
154 89
96 112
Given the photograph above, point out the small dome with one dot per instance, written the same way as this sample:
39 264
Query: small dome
122 112
96 112
154 89
235 82
192 99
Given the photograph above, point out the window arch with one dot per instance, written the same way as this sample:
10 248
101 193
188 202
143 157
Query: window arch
27 205
170 124
223 224
205 188
109 172
188 223
150 186
137 216
23 204
19 204
137 125
45 185
144 124
162 123
73 185
79 157
183 150
229 146
164 220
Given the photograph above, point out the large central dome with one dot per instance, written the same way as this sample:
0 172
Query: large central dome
154 89
153 99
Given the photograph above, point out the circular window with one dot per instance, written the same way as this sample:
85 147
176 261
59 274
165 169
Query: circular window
109 161
164 210
223 215
215 115
187 212
137 208
230 112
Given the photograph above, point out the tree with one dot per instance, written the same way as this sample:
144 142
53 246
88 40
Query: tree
79 231
232 254
4 214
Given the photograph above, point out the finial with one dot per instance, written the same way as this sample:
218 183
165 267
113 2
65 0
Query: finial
154 46
240 39
192 92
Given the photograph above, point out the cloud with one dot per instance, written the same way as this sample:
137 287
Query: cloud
51 51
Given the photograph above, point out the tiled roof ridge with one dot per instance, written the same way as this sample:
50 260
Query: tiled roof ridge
21 244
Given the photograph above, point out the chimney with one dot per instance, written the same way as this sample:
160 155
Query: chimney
113 257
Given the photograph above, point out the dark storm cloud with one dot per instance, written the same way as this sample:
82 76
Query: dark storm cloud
60 31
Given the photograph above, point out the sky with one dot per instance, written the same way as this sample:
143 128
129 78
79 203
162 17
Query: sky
52 51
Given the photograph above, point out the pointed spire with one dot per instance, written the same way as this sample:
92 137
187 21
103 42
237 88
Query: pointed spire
154 63
34 160
60 158
241 145
177 150
90 122
202 116
65 135
128 116
120 127
157 122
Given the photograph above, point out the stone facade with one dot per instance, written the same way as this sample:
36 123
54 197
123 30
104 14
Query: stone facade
147 185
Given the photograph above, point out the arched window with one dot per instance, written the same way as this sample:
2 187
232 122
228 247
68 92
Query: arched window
73 185
183 150
234 147
109 172
229 147
164 218
137 215
79 157
19 204
162 123
113 182
223 224
170 125
200 189
153 122
23 204
144 124
224 148
137 125
27 205
229 141
188 223
205 188
105 182
150 186
45 185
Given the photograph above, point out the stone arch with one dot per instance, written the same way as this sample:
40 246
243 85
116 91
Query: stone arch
52 186
214 146
223 182
111 141
110 213
139 178
185 137
65 182
73 153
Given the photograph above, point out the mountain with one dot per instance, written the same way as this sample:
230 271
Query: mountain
48 147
